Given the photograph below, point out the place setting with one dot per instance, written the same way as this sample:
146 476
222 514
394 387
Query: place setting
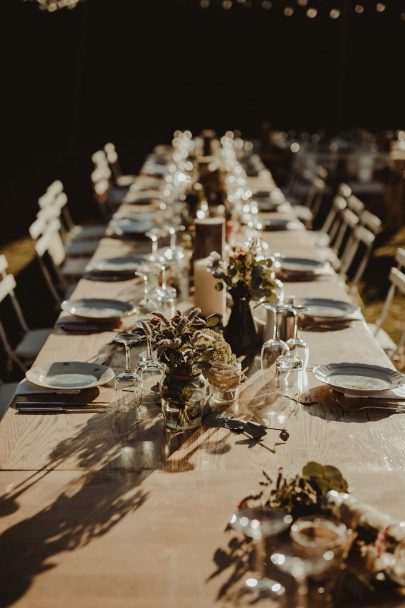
303 269
91 315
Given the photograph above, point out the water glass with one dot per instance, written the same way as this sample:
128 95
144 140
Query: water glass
289 380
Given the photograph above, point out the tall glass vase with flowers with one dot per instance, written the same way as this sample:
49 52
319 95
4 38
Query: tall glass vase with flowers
247 277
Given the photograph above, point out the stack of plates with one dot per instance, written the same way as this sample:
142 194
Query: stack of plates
302 268
98 309
114 269
358 379
125 227
69 375
325 309
281 223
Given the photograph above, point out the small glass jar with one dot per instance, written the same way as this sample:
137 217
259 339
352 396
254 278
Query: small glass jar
224 380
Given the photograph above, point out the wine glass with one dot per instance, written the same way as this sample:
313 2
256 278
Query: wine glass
297 346
149 368
317 544
275 347
164 294
289 379
260 524
154 235
128 384
147 302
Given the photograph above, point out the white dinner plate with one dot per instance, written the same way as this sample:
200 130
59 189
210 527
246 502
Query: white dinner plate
100 309
127 227
69 375
121 264
358 378
300 265
325 308
280 223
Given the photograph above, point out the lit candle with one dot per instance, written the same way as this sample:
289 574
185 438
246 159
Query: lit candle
209 237
206 296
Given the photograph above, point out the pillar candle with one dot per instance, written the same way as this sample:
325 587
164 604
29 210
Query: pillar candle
209 237
206 296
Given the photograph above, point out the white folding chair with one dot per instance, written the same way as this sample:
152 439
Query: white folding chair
371 222
397 283
355 205
123 181
33 340
327 233
356 255
60 272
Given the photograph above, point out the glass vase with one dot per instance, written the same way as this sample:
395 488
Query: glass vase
183 399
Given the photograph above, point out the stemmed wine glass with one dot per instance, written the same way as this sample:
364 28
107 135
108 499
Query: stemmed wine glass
149 367
147 303
128 384
165 295
297 346
261 524
154 235
275 347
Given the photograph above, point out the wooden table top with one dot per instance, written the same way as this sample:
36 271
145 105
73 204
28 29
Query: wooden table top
107 509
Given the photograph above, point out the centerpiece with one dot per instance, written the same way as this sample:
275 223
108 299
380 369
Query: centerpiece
185 344
247 277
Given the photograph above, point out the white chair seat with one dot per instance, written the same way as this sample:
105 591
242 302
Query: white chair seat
32 343
318 238
81 248
7 392
125 180
74 267
303 213
79 233
383 339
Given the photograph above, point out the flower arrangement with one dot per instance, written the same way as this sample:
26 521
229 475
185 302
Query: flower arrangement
246 275
186 342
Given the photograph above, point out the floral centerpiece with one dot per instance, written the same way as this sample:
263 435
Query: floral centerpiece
185 344
247 277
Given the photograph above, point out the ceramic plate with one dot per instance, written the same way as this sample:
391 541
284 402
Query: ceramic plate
280 223
125 264
98 308
137 227
358 378
323 308
300 265
69 375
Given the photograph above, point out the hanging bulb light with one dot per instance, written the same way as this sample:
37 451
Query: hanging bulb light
302 2
288 11
312 13
334 13
227 4
380 7
205 3
359 9
266 4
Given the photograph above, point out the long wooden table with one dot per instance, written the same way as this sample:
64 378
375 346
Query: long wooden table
106 509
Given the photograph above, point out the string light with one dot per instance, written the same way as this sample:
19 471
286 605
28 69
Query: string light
312 9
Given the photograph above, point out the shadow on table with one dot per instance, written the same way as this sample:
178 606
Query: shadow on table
117 453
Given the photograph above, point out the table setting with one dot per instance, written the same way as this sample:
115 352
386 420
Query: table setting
214 356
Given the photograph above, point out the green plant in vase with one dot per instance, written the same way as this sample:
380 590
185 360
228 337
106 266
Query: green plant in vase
247 277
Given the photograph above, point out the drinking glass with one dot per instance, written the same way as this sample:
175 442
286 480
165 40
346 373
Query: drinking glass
289 379
317 545
128 384
147 302
164 294
273 348
261 524
154 235
297 346
149 369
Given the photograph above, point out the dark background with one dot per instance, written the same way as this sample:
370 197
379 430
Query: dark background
132 71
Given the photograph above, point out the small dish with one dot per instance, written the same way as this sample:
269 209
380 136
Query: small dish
69 375
300 265
128 227
101 309
358 378
280 223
